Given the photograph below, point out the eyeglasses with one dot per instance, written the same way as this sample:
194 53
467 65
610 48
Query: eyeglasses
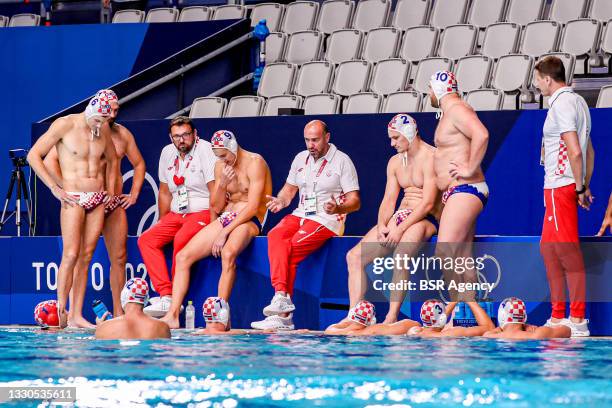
183 136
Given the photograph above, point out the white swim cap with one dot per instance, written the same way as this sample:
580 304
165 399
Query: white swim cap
363 313
224 139
136 290
405 125
108 94
432 313
98 106
216 310
443 83
511 310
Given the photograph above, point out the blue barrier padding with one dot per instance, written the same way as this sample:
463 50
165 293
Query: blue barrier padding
320 287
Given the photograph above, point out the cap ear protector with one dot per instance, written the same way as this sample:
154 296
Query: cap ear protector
216 310
432 314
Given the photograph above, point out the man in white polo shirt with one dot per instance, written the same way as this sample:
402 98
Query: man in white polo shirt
327 182
567 156
186 176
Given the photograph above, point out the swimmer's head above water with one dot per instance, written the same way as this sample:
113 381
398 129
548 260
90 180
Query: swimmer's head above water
136 290
441 83
225 146
433 314
216 312
45 314
363 313
511 311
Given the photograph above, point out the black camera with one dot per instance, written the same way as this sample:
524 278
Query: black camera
19 157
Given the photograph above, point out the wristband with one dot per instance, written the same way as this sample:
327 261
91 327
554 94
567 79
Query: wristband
581 191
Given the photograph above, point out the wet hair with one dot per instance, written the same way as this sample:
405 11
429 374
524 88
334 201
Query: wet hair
179 121
553 67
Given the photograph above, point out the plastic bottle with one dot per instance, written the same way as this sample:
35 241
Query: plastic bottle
190 316
99 309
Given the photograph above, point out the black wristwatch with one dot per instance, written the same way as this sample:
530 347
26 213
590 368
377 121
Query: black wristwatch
582 190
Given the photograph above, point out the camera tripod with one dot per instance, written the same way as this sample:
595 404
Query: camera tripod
18 178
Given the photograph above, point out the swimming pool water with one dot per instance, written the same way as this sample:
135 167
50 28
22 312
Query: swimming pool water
310 370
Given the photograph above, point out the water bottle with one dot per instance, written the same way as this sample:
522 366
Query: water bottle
99 309
190 316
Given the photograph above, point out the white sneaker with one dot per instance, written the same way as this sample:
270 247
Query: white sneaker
275 323
280 304
159 308
578 329
550 323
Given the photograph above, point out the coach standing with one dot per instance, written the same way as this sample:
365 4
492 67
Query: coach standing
567 156
327 182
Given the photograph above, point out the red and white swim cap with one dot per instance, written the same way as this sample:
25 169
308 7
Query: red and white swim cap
136 290
98 106
224 139
108 94
363 313
443 83
45 313
432 313
405 125
216 310
511 310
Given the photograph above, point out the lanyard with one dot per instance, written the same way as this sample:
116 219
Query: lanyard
180 180
309 172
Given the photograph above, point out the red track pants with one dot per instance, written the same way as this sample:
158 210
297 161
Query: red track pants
172 226
289 243
560 249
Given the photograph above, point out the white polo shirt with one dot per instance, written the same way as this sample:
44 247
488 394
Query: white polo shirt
198 168
333 174
568 112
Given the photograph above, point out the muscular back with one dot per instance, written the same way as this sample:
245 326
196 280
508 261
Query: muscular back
132 326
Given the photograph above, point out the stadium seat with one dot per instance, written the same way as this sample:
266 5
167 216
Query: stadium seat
371 14
448 12
604 100
426 69
277 79
563 11
601 10
351 77
540 37
485 99
230 12
458 41
129 16
241 106
303 46
323 104
314 78
581 38
512 75
381 44
411 13
523 12
162 15
390 76
24 20
398 102
281 101
300 16
419 43
606 45
344 45
335 15
275 47
271 12
473 72
501 39
426 105
366 102
195 13
486 12
208 107
4 20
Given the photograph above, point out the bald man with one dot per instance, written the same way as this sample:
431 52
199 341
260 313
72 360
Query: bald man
329 190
